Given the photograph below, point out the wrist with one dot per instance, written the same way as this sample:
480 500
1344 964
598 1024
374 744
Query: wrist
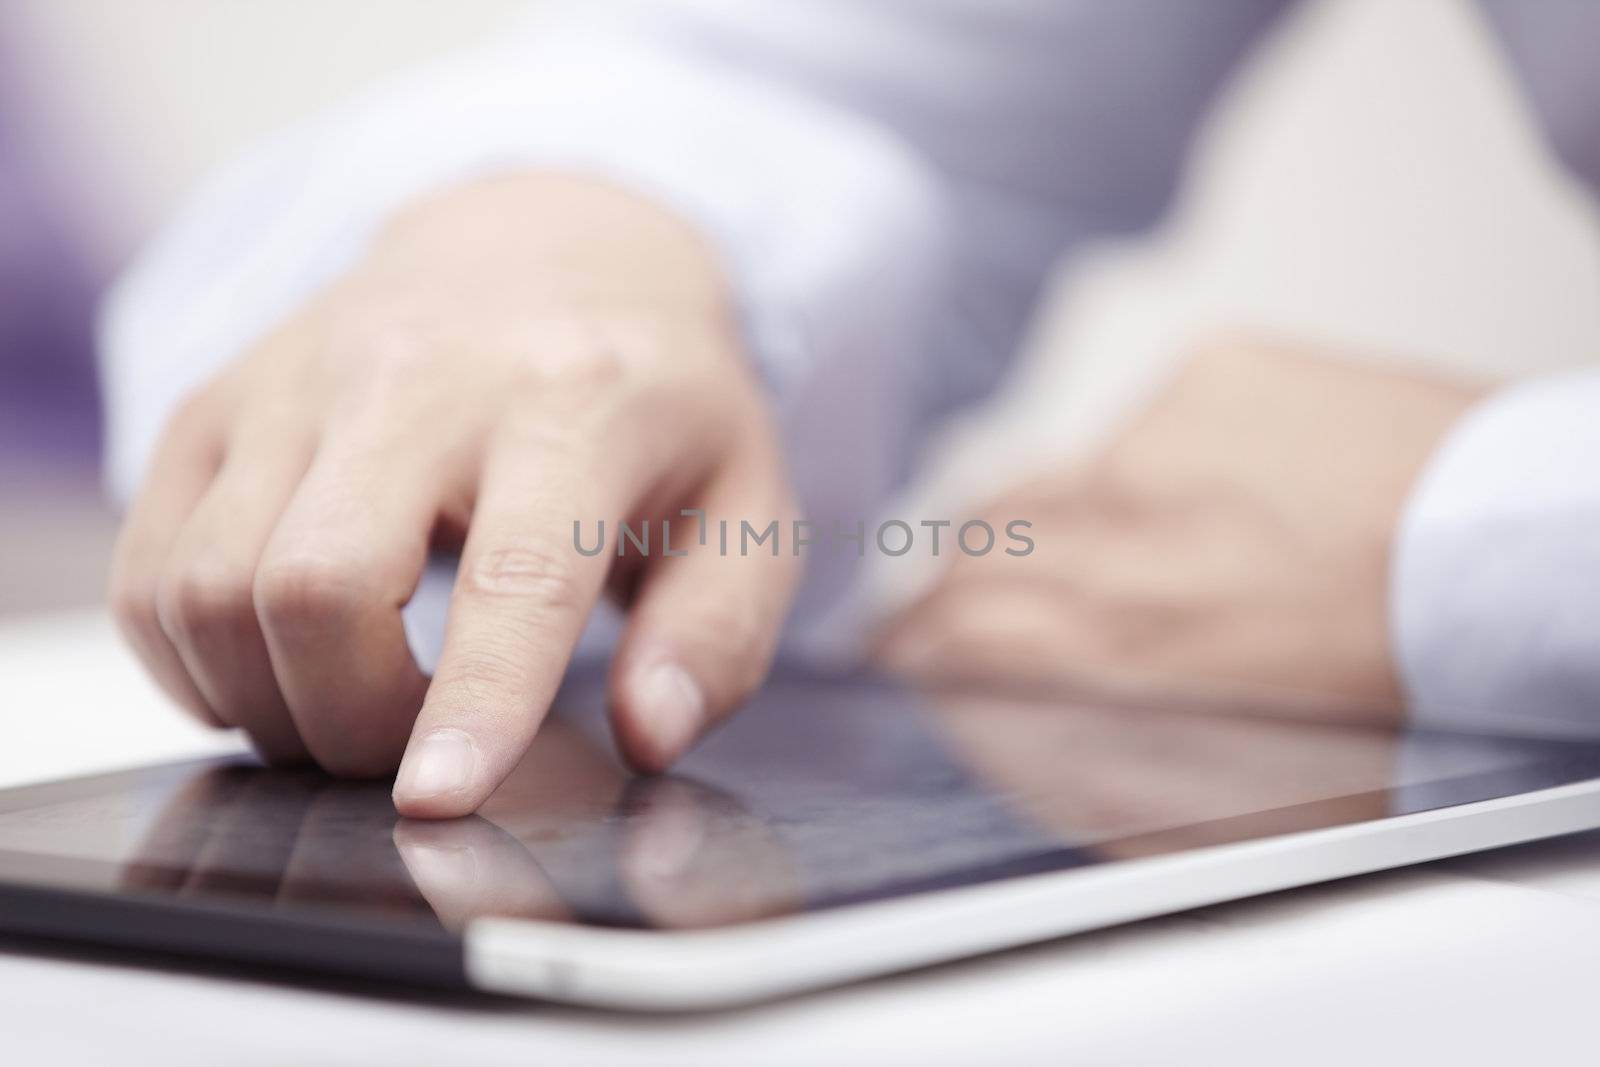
556 236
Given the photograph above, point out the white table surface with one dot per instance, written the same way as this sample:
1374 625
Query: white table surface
1484 959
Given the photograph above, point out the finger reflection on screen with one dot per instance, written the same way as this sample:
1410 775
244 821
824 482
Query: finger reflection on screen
692 855
570 835
467 868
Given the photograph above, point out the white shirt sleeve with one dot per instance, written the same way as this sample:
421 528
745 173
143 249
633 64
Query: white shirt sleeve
1496 580
811 207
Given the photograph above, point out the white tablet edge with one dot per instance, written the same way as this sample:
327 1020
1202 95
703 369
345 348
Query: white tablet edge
694 970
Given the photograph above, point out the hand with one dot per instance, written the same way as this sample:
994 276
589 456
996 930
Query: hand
508 358
1233 541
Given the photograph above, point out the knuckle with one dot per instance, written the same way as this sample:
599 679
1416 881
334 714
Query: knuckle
573 365
545 578
205 596
298 591
133 604
483 676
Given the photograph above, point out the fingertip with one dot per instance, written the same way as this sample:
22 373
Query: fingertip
660 712
441 776
436 806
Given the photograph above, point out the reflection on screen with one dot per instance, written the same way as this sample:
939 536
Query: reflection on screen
821 793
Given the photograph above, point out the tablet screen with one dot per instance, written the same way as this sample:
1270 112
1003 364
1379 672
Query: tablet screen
821 793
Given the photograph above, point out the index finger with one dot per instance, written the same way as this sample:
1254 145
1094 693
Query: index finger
522 597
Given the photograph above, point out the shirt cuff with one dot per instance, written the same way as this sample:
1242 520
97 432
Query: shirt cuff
1496 577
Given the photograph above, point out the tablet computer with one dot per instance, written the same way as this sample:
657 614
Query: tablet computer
838 828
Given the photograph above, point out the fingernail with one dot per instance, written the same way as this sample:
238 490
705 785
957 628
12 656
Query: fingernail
673 709
442 762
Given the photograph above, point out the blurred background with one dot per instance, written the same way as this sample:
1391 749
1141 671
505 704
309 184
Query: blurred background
1371 180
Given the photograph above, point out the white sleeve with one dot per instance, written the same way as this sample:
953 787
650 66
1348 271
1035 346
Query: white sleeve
1496 579
831 229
